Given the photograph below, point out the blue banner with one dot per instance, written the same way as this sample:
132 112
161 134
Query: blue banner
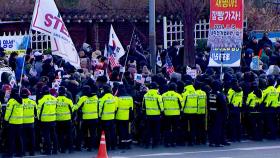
229 56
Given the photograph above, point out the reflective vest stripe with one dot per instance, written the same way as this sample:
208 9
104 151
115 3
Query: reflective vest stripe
213 109
171 109
123 108
152 109
65 113
189 107
108 113
16 117
89 113
28 116
48 114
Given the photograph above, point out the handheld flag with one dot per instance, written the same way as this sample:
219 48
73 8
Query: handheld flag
159 62
47 20
113 61
105 51
115 45
168 65
136 46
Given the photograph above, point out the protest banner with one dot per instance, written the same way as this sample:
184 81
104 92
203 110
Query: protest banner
225 32
47 19
14 43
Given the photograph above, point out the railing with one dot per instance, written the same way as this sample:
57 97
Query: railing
174 31
39 40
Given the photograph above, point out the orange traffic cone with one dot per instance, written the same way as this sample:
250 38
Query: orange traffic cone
102 151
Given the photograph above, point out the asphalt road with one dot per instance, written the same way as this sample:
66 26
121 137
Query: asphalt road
245 149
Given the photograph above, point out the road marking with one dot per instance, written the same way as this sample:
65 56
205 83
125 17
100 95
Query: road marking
37 156
260 148
203 151
182 153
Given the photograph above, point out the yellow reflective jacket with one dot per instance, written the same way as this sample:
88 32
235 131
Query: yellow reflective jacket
125 103
64 108
235 98
201 101
46 111
190 100
29 107
107 107
14 112
89 107
172 103
152 103
270 97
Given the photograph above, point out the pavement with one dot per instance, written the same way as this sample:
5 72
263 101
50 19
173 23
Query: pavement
244 149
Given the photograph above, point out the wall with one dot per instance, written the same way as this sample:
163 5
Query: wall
97 33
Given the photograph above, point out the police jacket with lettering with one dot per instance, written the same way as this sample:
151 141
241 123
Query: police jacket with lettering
217 101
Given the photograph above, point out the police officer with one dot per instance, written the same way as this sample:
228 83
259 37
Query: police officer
278 108
29 109
64 111
190 110
201 113
217 111
172 103
107 109
14 118
153 108
88 107
123 116
270 102
253 103
235 100
46 113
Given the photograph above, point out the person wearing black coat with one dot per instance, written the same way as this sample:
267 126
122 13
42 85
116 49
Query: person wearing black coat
176 54
217 107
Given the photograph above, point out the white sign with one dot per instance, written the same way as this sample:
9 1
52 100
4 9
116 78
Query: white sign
139 78
8 70
98 73
56 84
47 19
192 73
122 69
14 43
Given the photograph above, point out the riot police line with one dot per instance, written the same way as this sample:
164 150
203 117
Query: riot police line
178 113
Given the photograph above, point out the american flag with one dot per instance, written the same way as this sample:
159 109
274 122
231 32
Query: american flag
168 65
113 61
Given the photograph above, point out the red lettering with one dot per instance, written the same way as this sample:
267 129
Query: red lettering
58 21
64 30
48 20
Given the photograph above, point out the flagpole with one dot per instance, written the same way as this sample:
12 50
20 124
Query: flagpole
23 64
128 51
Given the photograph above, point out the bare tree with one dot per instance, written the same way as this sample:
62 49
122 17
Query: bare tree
189 11
263 15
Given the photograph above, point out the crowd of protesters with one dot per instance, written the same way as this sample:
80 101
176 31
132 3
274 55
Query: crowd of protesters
172 109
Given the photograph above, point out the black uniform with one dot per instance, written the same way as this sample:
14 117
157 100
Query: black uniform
217 114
